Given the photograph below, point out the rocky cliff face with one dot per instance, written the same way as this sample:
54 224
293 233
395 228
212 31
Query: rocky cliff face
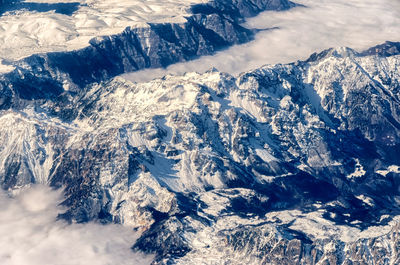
295 163
213 26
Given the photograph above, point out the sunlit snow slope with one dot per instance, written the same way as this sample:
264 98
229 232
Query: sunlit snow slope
56 25
288 162
295 163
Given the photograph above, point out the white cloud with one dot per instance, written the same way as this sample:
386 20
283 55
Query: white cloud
322 24
30 234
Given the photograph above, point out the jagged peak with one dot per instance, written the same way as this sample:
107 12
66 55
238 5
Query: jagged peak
386 49
339 52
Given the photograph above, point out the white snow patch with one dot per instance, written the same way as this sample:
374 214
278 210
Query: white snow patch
317 227
265 155
367 200
5 68
21 138
359 171
129 200
246 104
190 179
136 140
392 168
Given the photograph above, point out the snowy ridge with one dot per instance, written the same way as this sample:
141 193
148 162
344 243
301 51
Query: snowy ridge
26 32
299 158
45 26
102 43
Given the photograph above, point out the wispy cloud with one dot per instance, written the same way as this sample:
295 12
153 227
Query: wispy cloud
322 24
30 234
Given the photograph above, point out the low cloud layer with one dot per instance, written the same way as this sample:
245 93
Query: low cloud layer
30 235
321 24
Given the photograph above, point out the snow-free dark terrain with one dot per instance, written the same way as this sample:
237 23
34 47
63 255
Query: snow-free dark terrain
293 163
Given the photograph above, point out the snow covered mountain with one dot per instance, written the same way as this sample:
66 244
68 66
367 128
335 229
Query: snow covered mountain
42 26
123 35
286 164
201 29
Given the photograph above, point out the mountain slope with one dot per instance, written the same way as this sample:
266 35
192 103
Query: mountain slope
295 163
201 29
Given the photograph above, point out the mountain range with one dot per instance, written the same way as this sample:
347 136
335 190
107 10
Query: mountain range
285 164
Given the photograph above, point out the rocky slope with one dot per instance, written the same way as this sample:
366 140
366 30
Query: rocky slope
286 164
212 26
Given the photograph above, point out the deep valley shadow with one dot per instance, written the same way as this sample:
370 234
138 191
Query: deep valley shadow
60 8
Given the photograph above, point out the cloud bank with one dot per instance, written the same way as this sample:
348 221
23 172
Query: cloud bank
321 24
29 235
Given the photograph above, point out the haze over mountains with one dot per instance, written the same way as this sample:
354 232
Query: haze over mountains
298 32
